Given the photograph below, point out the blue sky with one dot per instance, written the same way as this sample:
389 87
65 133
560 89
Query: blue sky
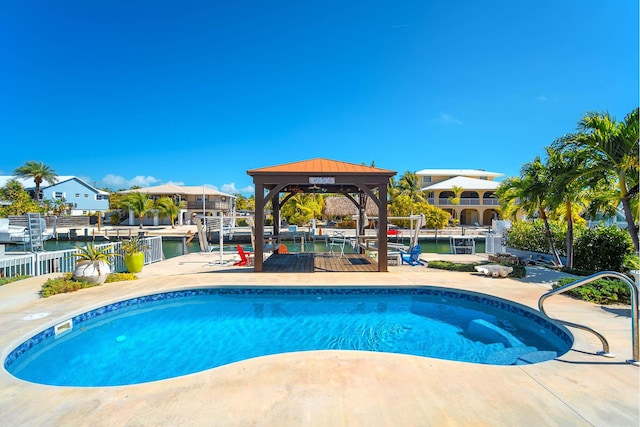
125 93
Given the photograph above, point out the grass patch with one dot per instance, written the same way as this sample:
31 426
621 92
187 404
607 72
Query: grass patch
518 270
5 280
601 291
65 283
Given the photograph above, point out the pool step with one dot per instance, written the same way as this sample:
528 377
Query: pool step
481 330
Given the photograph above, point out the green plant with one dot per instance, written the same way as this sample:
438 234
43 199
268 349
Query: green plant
64 284
92 253
5 280
601 291
454 266
530 236
602 248
120 277
134 245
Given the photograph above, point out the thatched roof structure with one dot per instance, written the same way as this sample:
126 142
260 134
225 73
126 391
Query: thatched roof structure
341 206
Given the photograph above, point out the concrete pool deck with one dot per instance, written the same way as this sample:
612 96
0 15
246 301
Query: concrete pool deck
334 388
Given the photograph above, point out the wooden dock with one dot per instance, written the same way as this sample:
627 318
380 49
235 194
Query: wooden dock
320 262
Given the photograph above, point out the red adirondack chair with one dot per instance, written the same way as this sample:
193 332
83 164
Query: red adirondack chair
246 258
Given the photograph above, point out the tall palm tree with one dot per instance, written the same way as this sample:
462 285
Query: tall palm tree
409 184
455 200
568 191
140 204
167 207
529 193
613 153
39 172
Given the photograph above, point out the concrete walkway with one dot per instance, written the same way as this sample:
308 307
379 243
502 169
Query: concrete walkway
333 388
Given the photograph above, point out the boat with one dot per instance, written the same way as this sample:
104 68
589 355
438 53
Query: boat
33 234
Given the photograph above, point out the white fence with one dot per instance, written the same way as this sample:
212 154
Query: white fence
39 263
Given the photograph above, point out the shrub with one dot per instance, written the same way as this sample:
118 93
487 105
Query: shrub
602 248
5 280
530 236
601 291
120 277
61 285
66 283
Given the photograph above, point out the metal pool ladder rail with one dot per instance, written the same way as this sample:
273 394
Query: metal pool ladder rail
634 311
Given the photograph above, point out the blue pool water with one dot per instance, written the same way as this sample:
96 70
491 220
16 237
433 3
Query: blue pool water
178 333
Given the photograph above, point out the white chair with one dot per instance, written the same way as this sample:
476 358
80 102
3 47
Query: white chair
338 240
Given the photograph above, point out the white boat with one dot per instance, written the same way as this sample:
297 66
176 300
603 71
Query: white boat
33 234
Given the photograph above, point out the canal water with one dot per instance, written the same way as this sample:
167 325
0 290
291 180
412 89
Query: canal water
172 248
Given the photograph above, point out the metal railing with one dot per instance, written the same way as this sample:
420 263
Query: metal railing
634 311
40 263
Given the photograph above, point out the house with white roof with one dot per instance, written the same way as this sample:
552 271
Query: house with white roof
80 197
478 204
199 200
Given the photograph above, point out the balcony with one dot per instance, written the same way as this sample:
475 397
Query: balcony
466 201
213 205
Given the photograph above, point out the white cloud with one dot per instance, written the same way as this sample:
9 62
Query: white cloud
232 189
117 181
175 182
448 119
114 181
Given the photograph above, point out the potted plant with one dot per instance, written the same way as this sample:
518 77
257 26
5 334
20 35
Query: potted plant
134 250
93 265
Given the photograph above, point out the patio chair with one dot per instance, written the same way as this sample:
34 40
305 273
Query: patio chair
412 257
338 240
246 258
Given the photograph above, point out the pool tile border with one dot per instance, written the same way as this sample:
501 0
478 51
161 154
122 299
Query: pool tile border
468 296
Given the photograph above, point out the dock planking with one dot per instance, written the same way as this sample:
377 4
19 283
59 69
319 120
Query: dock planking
320 262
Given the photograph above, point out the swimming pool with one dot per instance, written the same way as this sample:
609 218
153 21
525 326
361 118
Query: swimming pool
177 333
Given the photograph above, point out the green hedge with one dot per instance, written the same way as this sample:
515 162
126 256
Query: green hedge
601 291
595 249
602 248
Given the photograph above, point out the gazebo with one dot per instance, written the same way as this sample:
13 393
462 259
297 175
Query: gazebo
356 182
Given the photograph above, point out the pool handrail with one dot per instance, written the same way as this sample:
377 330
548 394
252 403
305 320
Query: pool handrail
634 311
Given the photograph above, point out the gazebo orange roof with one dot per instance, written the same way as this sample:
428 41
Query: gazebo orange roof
320 165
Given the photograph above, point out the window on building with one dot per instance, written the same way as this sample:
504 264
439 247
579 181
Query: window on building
483 177
58 195
77 195
426 179
86 196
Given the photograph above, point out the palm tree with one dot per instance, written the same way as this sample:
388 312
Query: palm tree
139 203
567 189
529 193
455 200
167 207
39 172
409 184
613 153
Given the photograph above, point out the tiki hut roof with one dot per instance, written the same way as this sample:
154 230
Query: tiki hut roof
341 206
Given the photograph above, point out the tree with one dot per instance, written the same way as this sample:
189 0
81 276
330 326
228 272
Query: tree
455 200
409 185
166 206
302 207
140 204
21 202
529 194
39 172
612 148
565 170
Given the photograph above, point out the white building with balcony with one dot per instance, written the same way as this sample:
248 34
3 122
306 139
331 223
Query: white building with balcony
198 200
478 204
